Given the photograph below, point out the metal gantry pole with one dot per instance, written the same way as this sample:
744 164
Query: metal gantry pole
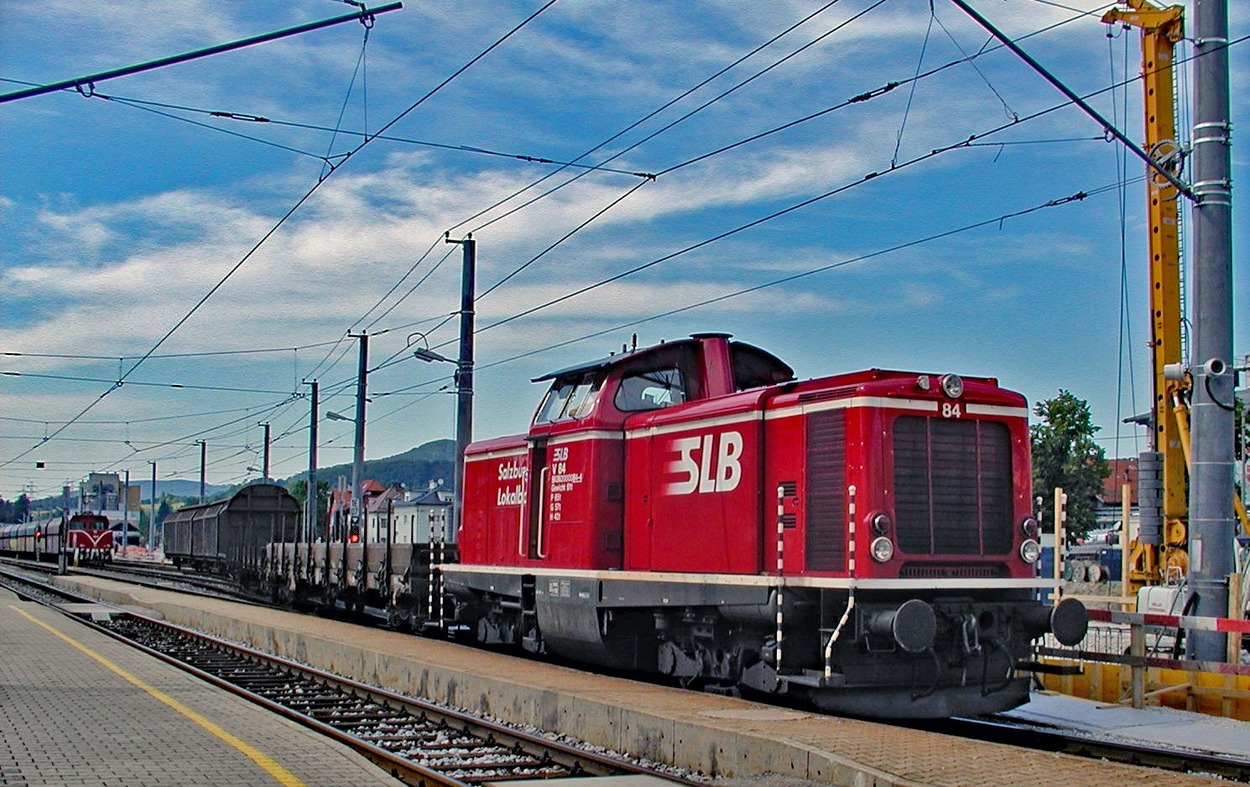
1211 522
464 373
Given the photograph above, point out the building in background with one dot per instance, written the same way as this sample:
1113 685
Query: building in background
420 516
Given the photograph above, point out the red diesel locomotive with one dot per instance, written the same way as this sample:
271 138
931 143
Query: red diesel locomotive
862 540
85 538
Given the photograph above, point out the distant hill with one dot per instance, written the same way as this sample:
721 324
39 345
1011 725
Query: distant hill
416 468
172 488
177 488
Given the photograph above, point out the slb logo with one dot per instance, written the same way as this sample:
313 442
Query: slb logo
707 463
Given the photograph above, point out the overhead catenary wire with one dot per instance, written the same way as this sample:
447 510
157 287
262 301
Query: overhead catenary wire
1076 99
576 163
911 94
738 229
1124 323
1014 122
977 143
148 419
859 98
996 220
672 124
972 62
265 237
86 83
188 386
246 117
966 143
360 61
671 102
202 354
411 289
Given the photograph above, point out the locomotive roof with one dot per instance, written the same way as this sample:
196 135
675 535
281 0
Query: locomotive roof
589 366
276 492
763 364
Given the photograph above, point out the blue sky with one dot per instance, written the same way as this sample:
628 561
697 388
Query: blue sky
116 220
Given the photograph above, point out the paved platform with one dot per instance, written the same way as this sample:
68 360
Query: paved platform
1148 726
736 741
79 708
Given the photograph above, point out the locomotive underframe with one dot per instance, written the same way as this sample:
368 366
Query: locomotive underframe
958 659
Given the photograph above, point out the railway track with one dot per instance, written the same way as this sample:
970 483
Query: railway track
166 577
416 741
160 577
391 735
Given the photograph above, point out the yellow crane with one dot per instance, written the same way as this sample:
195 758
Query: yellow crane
1150 563
1155 557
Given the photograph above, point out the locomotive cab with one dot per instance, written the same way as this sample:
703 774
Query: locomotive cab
560 490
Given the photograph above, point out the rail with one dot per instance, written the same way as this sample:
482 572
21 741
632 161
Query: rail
416 741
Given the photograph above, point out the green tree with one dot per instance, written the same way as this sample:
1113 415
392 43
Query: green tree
21 508
300 489
1065 455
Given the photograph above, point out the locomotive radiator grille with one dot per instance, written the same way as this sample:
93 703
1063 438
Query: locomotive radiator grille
826 491
952 485
958 571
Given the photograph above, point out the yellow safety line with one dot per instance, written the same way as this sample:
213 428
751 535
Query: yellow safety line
282 775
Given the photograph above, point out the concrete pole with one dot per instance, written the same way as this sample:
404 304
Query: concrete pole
464 374
1211 523
125 514
264 465
152 521
203 471
358 455
310 498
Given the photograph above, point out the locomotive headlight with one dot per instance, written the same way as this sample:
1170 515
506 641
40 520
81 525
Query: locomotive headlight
1029 526
1030 551
952 385
880 523
882 549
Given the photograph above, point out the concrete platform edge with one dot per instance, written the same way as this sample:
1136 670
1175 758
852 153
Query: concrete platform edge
713 751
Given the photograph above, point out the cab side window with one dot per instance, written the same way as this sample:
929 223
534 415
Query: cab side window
652 390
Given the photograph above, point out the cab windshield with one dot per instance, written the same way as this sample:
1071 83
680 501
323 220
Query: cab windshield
569 399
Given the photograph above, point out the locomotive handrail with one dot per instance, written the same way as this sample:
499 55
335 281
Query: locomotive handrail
522 516
542 485
837 632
